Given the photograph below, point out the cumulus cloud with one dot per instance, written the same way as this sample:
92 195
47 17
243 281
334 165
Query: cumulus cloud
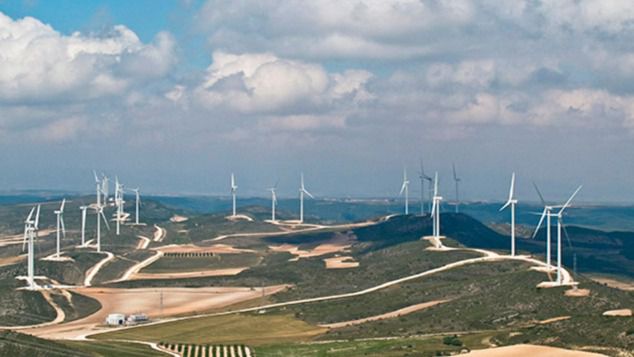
38 64
265 83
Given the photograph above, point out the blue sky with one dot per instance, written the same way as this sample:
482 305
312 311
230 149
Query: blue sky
175 95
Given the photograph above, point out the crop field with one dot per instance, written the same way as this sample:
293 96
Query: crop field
252 329
218 261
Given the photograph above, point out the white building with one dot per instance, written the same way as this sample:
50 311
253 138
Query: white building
115 320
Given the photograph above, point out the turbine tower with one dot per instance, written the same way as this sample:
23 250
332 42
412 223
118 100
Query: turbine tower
511 202
105 186
302 191
547 214
118 200
83 225
405 189
273 202
435 209
559 216
423 177
61 229
234 189
457 182
99 212
30 231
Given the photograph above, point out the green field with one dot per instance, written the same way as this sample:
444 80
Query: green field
113 348
218 261
252 329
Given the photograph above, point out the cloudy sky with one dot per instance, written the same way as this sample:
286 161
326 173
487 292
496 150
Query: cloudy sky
175 95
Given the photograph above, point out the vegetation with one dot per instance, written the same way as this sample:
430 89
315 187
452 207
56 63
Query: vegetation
21 307
251 329
113 348
17 344
219 261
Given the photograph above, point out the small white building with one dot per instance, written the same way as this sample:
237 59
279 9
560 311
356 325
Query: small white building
137 318
115 320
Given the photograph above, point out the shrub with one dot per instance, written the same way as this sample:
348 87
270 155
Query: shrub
452 341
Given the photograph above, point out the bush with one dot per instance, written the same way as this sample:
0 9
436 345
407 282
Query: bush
452 341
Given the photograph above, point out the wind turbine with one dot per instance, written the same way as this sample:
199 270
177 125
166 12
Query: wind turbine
457 182
83 225
137 204
547 213
435 209
61 229
511 202
100 215
99 187
104 187
405 189
234 189
118 199
273 202
559 216
302 191
424 178
30 231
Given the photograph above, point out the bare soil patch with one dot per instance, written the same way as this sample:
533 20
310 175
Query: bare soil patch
529 351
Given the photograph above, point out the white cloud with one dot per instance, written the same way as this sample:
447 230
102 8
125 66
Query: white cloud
264 83
38 64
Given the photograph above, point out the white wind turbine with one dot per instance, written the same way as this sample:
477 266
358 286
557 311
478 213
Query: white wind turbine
405 189
547 214
118 199
100 216
273 202
423 177
83 225
105 186
559 216
302 191
511 202
61 229
30 231
457 182
234 189
435 208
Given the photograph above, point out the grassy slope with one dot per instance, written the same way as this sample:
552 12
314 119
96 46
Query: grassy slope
176 264
251 329
122 262
113 348
20 307
17 344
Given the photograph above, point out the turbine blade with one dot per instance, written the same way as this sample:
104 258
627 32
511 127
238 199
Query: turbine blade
95 174
512 190
455 177
28 219
402 188
436 184
563 228
309 194
569 200
104 219
539 193
433 209
61 208
37 218
26 230
505 205
61 221
539 225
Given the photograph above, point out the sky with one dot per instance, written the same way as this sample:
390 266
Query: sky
173 96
